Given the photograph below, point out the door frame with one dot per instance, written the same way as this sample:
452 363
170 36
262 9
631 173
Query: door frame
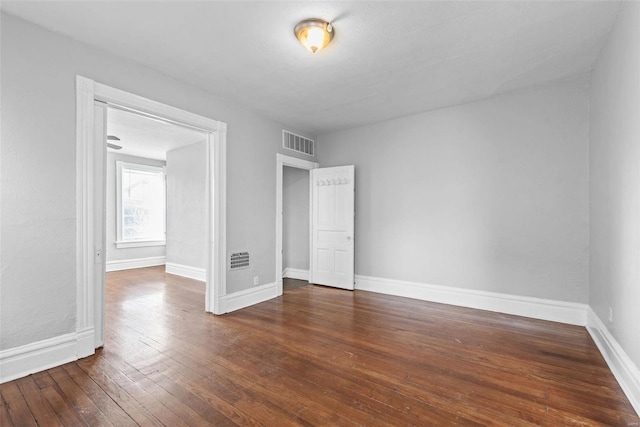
294 162
89 258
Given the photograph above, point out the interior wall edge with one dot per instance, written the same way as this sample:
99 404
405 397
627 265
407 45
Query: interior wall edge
624 370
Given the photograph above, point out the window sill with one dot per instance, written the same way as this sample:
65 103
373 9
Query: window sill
140 243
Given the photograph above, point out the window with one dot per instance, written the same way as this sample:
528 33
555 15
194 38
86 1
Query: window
141 204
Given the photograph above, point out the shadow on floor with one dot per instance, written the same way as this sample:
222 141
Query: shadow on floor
289 284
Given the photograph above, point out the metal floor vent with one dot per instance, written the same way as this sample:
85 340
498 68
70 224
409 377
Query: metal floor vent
238 260
298 143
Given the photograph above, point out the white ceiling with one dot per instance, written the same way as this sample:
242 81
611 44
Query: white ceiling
388 59
145 137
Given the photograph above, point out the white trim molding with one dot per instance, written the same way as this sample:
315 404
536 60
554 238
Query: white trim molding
216 270
87 251
537 308
90 265
248 297
140 244
85 343
296 273
128 264
623 368
27 359
186 271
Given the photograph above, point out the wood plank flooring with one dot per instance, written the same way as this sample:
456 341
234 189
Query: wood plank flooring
318 357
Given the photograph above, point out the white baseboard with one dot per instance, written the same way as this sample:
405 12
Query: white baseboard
296 273
27 359
251 296
537 308
186 271
85 345
623 368
128 264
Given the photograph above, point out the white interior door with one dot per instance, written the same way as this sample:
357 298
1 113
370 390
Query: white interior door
332 217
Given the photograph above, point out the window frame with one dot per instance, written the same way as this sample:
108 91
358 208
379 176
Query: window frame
122 243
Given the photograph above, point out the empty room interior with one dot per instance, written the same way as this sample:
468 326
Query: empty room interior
320 213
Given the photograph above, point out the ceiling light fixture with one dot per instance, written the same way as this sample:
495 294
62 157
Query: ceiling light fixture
314 34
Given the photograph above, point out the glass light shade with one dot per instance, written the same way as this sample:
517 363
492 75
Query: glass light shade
314 34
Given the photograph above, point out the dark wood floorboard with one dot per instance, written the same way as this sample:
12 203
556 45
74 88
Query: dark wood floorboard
318 356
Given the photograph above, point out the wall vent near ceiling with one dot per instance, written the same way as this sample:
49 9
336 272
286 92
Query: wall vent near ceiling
298 143
238 260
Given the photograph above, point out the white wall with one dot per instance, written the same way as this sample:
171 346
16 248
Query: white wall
615 182
491 195
38 160
113 253
295 218
187 206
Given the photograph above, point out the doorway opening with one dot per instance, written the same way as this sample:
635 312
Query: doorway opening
331 224
155 195
295 227
155 201
92 99
296 167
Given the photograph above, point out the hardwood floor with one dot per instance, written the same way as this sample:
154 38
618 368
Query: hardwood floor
291 284
318 356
